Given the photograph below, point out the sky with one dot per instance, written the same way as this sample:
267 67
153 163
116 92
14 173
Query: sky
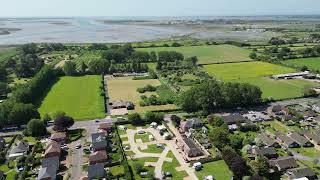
47 8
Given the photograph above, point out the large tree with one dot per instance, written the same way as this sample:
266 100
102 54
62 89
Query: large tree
62 123
69 68
21 114
219 137
36 128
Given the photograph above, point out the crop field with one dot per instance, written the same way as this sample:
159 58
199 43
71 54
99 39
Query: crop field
78 97
124 88
209 54
237 71
257 73
311 63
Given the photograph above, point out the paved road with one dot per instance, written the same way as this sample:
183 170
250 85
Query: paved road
76 160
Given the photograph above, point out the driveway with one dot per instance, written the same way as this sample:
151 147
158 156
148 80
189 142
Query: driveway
76 160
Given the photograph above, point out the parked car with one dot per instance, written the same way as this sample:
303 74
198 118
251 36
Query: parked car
141 132
78 146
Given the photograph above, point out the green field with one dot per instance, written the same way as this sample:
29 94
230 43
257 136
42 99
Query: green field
124 88
6 53
257 73
208 54
79 97
312 63
218 169
237 71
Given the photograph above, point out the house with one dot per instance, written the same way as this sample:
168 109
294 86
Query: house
277 110
268 152
286 141
58 137
189 147
53 149
313 137
2 143
20 149
283 163
297 173
121 105
233 119
96 171
99 141
190 123
98 157
268 141
302 141
49 168
256 116
106 127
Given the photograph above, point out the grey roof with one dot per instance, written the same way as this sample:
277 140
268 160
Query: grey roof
284 162
49 168
194 149
300 173
298 138
285 139
194 122
96 171
268 141
266 151
99 140
312 136
233 119
21 147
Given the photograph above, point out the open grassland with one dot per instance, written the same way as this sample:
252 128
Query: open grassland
281 89
209 54
257 73
79 97
218 169
124 88
244 70
312 63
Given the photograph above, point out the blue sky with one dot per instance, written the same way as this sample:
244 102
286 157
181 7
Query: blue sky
24 8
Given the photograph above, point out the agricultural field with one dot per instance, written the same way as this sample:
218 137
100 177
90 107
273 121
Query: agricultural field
312 63
79 97
125 88
208 54
257 73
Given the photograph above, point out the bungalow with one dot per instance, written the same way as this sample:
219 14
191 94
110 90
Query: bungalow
302 141
283 163
277 110
233 119
301 173
99 141
121 105
268 152
49 168
96 171
20 149
286 141
53 149
190 123
98 157
313 137
106 127
189 147
58 137
268 141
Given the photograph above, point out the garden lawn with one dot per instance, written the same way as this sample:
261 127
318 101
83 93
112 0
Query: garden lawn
311 63
124 88
256 73
218 169
171 167
152 149
310 152
208 54
238 71
79 97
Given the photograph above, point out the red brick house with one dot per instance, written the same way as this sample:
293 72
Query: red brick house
98 157
53 149
106 127
58 137
189 147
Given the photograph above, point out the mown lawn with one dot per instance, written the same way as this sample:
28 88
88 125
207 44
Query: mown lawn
124 88
311 63
152 149
208 54
171 167
79 97
238 71
144 137
218 169
258 73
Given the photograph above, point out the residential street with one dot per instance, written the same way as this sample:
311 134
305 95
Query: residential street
76 160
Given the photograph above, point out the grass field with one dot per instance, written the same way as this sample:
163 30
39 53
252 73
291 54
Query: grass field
257 73
311 63
209 54
237 71
124 88
6 53
79 97
171 167
218 169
